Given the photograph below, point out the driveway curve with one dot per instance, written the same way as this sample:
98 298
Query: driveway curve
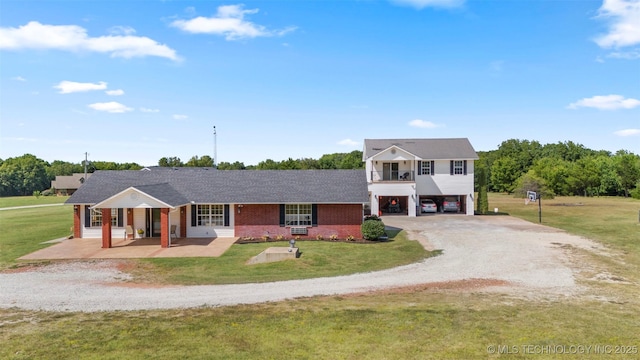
531 258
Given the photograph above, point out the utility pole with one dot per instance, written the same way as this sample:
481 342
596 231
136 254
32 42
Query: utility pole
86 155
215 148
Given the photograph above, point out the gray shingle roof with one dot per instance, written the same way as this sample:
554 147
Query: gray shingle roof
68 182
427 149
179 186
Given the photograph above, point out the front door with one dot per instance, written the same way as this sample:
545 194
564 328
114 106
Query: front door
389 171
153 222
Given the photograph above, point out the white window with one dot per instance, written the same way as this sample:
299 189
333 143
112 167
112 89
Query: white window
96 217
210 215
297 214
458 167
425 168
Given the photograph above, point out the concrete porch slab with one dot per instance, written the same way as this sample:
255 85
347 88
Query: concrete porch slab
131 249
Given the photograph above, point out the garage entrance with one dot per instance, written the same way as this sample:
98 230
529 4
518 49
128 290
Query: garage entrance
389 205
459 200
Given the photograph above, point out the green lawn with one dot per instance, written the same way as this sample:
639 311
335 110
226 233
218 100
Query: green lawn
318 259
25 230
418 323
30 200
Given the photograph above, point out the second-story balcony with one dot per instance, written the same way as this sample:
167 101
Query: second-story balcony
392 176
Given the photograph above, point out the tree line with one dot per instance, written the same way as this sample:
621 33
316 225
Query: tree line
563 168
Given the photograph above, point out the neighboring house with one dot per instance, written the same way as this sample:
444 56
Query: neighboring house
67 185
401 172
205 202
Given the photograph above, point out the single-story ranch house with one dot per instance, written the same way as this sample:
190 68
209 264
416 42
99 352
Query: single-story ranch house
205 202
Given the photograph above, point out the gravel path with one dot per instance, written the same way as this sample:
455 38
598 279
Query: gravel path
528 256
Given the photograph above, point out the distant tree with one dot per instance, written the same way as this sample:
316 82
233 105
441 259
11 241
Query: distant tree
627 167
504 173
228 166
267 165
204 161
532 182
584 177
170 162
23 175
482 201
62 168
555 172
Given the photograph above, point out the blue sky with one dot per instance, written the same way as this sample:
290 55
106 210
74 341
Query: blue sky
134 81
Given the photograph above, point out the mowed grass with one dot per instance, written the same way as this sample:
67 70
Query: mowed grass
24 230
12 201
416 323
422 324
318 259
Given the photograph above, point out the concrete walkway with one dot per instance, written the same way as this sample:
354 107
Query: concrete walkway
29 206
129 249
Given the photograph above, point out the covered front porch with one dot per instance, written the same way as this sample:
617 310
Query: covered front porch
132 248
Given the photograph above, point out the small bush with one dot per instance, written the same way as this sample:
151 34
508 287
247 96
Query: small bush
319 237
372 217
635 193
372 229
333 237
351 238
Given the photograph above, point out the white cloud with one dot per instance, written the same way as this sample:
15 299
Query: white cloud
628 132
229 22
147 110
624 23
421 4
68 87
423 124
115 92
112 107
606 102
122 30
348 142
35 35
180 117
18 78
627 55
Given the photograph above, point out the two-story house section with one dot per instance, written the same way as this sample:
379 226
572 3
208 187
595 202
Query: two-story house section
403 172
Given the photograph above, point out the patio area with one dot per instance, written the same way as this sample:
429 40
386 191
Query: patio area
129 249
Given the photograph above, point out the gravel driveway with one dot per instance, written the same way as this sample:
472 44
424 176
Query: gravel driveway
531 258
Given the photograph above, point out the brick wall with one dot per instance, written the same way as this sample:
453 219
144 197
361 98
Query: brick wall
76 221
106 228
259 220
164 227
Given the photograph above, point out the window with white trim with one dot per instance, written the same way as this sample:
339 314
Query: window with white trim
96 217
458 167
425 168
210 215
297 214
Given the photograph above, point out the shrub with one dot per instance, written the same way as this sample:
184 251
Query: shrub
372 229
333 237
319 237
279 237
351 238
372 217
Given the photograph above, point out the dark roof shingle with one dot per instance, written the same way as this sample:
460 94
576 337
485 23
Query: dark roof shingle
428 149
178 186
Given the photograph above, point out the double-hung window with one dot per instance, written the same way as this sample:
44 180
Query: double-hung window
96 217
210 215
425 168
298 214
458 167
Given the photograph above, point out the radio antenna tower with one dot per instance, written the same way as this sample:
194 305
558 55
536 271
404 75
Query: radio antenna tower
215 148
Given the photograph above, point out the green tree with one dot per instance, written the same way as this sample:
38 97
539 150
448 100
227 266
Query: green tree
170 162
504 173
204 161
555 172
482 201
229 166
23 175
627 167
584 177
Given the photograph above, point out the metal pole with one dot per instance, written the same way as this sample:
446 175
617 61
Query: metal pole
540 208
85 165
215 147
